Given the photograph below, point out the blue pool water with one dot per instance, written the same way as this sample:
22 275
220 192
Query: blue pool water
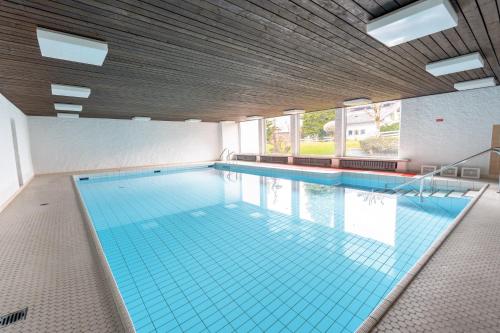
219 251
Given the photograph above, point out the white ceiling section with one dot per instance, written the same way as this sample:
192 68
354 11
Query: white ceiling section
67 107
70 91
474 84
254 117
417 20
357 101
68 115
456 64
59 45
294 111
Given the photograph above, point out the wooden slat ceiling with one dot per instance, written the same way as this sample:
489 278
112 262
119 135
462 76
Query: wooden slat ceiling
225 59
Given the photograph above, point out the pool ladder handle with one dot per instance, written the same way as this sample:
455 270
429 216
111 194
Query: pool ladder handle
222 153
228 155
422 178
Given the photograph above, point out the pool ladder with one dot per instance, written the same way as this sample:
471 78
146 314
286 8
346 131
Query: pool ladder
228 155
431 175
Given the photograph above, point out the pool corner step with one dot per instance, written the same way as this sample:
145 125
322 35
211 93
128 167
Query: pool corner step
471 193
456 194
441 194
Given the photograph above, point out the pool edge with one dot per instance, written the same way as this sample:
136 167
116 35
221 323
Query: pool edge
98 253
378 313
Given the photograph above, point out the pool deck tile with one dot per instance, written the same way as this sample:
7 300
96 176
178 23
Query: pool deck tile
47 264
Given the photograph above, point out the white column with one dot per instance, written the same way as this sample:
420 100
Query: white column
295 134
340 125
262 136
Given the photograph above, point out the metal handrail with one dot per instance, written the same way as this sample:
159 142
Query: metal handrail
446 167
222 153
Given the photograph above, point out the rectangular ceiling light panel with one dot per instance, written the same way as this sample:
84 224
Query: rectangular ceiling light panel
67 107
294 111
68 115
474 84
357 101
254 117
138 118
457 64
70 91
59 45
416 20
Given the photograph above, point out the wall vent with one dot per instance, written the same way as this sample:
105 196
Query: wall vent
248 158
369 165
274 159
14 317
157 171
313 161
83 178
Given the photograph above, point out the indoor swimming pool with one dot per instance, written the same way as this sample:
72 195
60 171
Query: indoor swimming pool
208 249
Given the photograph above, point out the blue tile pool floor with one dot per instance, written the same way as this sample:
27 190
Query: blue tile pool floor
218 251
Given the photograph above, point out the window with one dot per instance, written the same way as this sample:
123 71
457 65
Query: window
249 137
375 128
317 131
278 139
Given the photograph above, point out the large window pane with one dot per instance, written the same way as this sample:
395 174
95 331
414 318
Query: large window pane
249 137
373 130
317 132
278 140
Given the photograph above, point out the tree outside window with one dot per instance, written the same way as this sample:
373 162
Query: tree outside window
278 139
317 133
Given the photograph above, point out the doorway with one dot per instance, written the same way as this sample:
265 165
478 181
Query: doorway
16 152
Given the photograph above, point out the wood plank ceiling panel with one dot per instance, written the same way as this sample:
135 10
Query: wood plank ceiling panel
226 59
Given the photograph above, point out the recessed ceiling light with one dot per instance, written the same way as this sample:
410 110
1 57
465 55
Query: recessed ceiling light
67 107
357 101
416 20
138 118
294 111
227 122
60 45
457 64
70 91
254 117
473 84
193 120
68 115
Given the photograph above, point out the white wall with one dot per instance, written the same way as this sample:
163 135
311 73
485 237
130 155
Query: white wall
230 137
9 183
61 145
468 120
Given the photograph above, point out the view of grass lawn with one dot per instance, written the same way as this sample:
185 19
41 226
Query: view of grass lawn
353 144
317 148
321 148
